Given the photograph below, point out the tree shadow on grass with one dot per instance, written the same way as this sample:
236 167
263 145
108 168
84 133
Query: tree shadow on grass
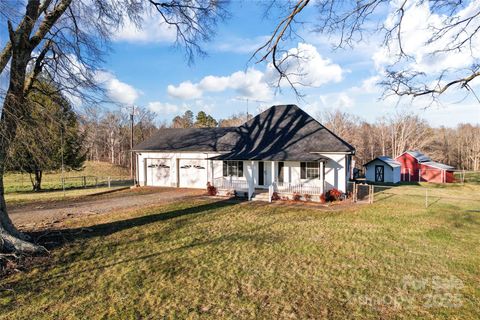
258 234
52 239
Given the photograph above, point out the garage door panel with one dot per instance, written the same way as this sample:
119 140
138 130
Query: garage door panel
193 173
158 172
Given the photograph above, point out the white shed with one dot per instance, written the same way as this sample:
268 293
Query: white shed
382 169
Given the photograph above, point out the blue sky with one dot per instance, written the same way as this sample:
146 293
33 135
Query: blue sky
145 69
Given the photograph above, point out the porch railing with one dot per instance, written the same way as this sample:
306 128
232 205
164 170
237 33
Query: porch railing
298 188
227 183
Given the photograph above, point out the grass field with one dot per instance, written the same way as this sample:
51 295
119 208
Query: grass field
18 182
58 195
223 259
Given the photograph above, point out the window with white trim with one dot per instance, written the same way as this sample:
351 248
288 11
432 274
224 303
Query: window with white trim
233 168
309 170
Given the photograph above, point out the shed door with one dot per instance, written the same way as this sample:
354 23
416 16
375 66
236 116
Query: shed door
158 172
379 173
192 173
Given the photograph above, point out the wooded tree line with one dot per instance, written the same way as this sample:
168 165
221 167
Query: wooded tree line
107 135
393 134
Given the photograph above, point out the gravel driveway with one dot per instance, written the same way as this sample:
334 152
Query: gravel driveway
39 214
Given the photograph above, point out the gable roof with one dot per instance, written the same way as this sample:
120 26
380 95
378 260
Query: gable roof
283 132
387 160
185 139
425 160
418 155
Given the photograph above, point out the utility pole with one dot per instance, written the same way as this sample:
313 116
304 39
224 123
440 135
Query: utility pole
132 166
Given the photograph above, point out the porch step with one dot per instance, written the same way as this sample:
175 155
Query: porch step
260 196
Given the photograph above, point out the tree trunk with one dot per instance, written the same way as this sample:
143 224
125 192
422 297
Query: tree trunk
37 185
14 109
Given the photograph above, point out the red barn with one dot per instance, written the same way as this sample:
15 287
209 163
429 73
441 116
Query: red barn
417 167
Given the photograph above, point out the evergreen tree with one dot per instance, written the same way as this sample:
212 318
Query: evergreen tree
205 120
48 138
185 121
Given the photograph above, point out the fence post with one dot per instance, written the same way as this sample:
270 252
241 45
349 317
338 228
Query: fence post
96 182
371 193
353 191
426 197
84 181
108 179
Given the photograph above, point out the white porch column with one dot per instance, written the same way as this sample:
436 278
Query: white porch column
273 172
212 172
322 175
250 179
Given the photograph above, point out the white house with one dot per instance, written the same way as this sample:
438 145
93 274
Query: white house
282 149
383 169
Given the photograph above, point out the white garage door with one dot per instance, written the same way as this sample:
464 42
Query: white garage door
193 173
158 172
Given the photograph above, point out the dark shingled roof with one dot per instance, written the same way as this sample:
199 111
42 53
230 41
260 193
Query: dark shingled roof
185 139
280 133
283 132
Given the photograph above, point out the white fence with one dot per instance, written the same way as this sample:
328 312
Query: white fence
228 183
298 188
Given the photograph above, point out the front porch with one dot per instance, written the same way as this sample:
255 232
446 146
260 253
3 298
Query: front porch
285 178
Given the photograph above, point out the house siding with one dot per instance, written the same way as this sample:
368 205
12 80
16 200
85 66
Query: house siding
391 175
336 171
412 170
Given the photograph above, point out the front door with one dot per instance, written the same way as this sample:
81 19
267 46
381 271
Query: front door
379 173
261 174
281 166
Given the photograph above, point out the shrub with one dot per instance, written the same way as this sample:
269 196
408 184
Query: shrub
211 190
296 196
275 196
333 195
307 197
323 198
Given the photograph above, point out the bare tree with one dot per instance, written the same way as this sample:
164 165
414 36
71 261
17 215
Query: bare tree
407 132
455 30
235 120
64 41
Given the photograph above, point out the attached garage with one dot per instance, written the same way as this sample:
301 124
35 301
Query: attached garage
158 172
192 173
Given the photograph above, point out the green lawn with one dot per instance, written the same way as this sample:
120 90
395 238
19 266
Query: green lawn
33 197
20 182
222 259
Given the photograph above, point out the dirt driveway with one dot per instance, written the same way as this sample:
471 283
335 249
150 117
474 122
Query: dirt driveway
39 214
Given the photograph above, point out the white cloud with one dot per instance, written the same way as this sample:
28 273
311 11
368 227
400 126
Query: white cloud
247 84
117 90
152 30
369 85
167 108
306 66
186 90
418 25
164 108
335 100
256 85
